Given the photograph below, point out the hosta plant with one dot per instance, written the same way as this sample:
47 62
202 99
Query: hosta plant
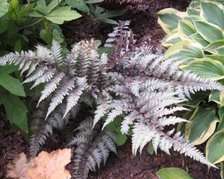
196 37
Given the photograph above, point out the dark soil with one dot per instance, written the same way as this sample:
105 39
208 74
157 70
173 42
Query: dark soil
11 143
145 166
124 165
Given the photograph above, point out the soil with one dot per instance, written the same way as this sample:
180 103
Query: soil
123 165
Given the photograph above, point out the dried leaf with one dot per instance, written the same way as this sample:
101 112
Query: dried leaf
51 165
18 167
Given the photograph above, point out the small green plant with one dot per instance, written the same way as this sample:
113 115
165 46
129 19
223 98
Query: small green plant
92 9
196 38
11 89
21 27
172 173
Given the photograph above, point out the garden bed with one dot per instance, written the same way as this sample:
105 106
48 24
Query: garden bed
122 165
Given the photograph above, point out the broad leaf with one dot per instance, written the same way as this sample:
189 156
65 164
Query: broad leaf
7 69
186 27
221 119
51 165
172 173
120 139
186 50
78 4
172 38
213 47
53 4
11 84
208 31
215 148
4 6
168 19
207 68
59 15
18 167
213 13
202 126
198 38
217 97
16 111
222 171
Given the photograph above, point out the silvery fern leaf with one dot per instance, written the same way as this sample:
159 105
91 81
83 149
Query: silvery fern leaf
41 129
62 75
120 30
142 134
91 148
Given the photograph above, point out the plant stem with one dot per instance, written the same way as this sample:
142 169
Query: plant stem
36 22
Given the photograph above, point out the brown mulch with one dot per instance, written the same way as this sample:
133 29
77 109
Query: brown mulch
145 166
11 143
124 165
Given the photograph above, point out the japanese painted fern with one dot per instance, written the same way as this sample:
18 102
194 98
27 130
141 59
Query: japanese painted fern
140 87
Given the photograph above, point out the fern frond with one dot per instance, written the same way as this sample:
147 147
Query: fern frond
80 72
143 134
153 67
91 148
41 129
119 31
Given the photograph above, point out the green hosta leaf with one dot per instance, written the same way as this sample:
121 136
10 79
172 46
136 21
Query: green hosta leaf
213 13
172 38
186 27
11 84
194 8
198 38
208 31
16 111
185 50
221 119
215 46
62 14
172 173
169 18
78 4
202 126
4 6
217 57
215 148
207 67
217 97
222 171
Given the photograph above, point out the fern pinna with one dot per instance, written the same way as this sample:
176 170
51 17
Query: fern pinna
140 87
